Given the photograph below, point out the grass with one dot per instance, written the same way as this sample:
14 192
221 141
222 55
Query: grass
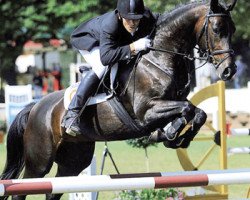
132 160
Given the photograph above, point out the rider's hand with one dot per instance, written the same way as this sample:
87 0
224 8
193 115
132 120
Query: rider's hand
142 44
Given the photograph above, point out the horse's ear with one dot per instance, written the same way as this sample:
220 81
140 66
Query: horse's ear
230 6
214 4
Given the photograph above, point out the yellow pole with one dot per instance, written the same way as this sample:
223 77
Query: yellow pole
214 90
222 128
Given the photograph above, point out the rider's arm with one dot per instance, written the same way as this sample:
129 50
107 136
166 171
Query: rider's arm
111 51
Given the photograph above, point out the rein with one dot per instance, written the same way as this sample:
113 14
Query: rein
208 54
184 55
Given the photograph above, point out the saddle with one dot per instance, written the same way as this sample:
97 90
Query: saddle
96 99
110 97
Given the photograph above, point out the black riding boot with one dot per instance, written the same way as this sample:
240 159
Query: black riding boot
87 87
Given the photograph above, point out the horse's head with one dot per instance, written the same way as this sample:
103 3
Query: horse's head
215 38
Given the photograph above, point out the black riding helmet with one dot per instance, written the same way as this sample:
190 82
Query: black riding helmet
131 9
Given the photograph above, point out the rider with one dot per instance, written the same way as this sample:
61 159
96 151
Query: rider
103 41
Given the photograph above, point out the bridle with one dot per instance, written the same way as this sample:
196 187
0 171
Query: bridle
204 30
208 54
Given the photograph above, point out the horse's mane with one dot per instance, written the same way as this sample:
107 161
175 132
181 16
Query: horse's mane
170 16
179 10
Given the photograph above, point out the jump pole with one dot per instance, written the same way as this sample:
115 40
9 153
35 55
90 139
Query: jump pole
238 150
240 131
122 182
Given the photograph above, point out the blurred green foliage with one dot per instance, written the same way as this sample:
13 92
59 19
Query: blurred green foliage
148 194
41 20
3 126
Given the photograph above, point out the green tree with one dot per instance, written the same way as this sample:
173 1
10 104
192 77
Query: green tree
241 18
143 143
164 5
240 14
43 19
40 20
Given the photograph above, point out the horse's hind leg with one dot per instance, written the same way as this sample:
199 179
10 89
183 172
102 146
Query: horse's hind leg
72 158
39 158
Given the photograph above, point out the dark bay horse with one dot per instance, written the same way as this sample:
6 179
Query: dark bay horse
156 96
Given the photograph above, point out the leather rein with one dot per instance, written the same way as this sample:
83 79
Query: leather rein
188 57
207 52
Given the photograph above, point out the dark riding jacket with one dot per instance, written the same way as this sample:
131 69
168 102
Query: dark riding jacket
108 32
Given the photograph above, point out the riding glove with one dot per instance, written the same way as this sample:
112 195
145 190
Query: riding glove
142 44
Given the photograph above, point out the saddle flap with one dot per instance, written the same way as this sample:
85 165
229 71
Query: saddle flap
98 98
71 91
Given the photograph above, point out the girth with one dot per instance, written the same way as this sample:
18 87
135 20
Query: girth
124 116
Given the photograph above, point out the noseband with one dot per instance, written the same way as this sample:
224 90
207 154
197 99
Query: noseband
209 54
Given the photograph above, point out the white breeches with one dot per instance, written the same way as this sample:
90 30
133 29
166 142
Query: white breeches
93 59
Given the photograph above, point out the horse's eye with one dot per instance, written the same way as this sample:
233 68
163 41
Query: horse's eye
216 30
220 29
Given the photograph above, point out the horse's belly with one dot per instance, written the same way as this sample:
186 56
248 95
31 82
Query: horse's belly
106 125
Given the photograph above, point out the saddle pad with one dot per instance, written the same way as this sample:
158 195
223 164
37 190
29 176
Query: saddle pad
71 90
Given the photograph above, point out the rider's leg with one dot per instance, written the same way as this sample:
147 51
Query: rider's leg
87 87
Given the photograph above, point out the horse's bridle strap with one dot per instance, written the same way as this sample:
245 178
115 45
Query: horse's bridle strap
205 30
217 52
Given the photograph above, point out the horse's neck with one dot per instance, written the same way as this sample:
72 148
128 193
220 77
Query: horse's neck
157 69
179 33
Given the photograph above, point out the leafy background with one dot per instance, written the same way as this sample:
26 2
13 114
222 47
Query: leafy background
40 20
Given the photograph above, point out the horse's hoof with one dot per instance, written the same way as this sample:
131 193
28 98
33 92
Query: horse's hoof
174 144
153 137
185 144
170 145
156 136
173 129
69 131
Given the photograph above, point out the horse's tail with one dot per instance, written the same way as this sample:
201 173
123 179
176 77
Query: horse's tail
15 161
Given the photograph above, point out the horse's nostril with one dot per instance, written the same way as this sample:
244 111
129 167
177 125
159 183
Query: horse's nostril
228 73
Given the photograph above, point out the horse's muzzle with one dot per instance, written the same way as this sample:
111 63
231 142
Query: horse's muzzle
228 72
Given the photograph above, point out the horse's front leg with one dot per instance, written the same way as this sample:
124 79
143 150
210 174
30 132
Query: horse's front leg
185 139
170 116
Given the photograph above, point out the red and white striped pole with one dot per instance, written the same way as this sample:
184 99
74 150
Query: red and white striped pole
122 182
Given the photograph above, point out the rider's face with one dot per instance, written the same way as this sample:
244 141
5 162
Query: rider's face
130 24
